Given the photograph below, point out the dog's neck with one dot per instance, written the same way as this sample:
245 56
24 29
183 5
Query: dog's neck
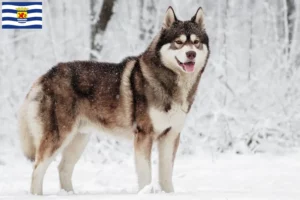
167 83
179 86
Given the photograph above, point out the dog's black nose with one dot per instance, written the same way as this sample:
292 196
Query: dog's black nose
191 54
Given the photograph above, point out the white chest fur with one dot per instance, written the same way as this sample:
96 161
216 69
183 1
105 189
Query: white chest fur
174 118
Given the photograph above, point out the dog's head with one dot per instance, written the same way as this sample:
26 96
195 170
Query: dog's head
183 45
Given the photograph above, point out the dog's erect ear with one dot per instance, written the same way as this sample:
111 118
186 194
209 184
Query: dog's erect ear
170 18
198 18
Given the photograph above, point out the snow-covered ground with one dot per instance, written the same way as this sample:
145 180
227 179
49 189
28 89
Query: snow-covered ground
226 176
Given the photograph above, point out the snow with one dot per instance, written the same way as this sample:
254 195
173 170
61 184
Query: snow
248 100
202 176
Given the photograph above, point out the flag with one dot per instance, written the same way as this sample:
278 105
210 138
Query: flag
22 15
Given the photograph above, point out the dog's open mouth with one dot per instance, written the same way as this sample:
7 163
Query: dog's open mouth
187 66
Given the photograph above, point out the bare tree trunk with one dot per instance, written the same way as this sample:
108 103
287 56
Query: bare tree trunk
98 28
296 33
291 20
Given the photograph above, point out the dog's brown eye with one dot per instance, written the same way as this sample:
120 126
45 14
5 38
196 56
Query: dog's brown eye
179 42
196 42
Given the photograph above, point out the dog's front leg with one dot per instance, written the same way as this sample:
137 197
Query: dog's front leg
142 147
167 147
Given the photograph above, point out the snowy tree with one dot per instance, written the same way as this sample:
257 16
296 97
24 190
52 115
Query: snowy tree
248 97
99 24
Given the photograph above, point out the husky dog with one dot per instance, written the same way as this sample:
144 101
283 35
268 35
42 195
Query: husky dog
146 98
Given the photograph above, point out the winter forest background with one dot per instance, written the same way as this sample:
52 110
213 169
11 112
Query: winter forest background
248 100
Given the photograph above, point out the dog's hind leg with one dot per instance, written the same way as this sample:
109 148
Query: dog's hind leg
167 147
70 156
38 173
142 148
49 147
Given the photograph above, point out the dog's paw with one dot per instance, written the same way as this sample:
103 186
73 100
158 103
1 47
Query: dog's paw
151 188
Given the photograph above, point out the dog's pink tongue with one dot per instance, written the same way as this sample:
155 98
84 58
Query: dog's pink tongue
189 66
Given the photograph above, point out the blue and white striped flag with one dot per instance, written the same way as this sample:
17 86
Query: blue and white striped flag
22 15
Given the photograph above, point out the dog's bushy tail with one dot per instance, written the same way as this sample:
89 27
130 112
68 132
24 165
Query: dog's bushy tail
26 138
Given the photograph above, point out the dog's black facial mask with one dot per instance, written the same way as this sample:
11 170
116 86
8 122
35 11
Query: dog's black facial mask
173 28
183 45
